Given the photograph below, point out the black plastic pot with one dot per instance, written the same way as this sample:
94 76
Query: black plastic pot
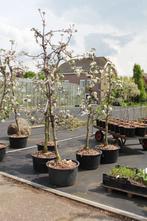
39 164
2 151
130 131
89 162
122 130
18 142
62 177
140 131
40 146
116 128
109 156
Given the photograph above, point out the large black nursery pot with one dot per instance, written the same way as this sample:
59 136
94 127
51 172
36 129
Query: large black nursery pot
18 141
2 151
39 163
89 162
109 155
62 176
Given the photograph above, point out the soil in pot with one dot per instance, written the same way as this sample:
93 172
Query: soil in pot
50 146
63 172
40 159
110 153
89 159
18 141
2 151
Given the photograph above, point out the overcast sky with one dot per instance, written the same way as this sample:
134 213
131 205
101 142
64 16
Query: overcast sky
116 28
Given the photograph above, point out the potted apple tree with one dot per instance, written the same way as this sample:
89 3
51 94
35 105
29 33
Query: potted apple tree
88 157
54 46
19 138
110 152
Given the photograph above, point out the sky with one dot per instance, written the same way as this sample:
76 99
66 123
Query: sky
117 29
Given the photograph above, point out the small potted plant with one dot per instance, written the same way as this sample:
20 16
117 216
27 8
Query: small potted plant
62 172
110 152
89 158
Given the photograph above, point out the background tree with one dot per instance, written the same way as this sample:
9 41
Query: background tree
138 79
29 74
129 89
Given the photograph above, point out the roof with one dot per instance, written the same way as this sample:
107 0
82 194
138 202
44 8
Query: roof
83 63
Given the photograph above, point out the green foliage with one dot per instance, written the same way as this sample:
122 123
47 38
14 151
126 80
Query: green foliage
141 176
123 171
134 174
29 74
138 79
41 75
129 89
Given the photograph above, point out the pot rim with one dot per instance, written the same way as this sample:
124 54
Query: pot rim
62 169
4 146
17 137
99 152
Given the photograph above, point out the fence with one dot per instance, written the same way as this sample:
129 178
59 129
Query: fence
32 97
68 96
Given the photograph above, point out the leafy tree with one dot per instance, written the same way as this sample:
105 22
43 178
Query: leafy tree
129 90
29 74
138 79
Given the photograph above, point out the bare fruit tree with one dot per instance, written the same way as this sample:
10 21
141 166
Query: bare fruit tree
55 49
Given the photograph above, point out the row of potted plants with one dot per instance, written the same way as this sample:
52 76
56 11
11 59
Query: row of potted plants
127 179
123 127
62 172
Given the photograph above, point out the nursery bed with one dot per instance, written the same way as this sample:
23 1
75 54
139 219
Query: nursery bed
88 185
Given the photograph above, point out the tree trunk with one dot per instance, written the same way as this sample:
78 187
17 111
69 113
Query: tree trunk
46 130
87 131
54 136
106 131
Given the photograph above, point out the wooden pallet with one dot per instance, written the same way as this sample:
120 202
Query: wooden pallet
130 194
